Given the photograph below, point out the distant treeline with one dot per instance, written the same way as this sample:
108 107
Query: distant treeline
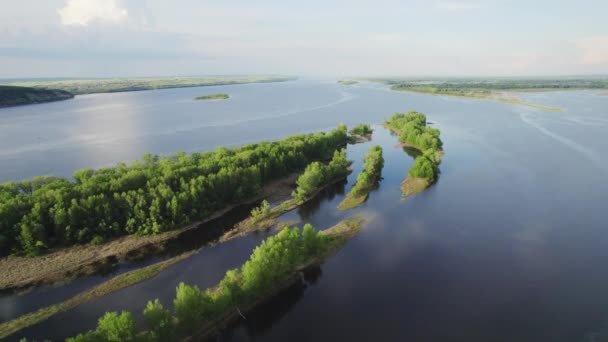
149 196
15 96
413 131
478 85
84 86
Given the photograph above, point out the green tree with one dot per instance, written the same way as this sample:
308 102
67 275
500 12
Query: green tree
189 305
114 327
159 321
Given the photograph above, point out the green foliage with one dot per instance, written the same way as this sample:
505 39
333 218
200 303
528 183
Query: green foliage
189 305
413 131
317 174
261 212
113 327
362 129
372 167
425 166
97 240
150 196
159 322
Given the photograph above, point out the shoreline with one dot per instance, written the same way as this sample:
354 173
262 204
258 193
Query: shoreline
414 185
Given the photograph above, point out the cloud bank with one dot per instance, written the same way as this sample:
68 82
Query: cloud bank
82 12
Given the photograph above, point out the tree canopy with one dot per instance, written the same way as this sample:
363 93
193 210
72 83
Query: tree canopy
150 196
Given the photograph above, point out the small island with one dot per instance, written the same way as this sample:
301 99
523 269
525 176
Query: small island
367 180
347 82
361 133
413 132
15 96
213 97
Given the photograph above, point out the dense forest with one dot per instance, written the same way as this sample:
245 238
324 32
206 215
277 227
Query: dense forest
413 131
271 263
15 96
150 196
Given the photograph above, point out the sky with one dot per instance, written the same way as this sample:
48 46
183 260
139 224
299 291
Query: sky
131 38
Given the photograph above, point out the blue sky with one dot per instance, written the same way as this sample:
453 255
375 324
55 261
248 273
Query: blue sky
85 38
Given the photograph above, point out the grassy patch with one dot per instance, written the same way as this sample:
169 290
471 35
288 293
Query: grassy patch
413 185
352 201
213 97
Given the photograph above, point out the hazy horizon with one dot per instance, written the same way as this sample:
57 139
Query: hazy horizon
443 38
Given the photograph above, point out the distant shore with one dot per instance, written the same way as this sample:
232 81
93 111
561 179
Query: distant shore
17 96
113 85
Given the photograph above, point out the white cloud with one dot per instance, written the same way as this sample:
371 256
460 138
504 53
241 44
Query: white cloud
82 12
456 6
594 50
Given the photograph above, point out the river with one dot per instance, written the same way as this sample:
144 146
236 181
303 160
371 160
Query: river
507 246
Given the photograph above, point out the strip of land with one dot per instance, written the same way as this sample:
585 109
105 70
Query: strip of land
213 97
367 180
347 82
89 86
477 94
496 89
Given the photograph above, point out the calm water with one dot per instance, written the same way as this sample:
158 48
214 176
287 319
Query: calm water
509 245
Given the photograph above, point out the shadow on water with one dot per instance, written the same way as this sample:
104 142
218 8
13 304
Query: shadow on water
310 208
262 319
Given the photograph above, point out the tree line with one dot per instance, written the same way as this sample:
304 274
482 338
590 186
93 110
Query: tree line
372 167
150 196
269 264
